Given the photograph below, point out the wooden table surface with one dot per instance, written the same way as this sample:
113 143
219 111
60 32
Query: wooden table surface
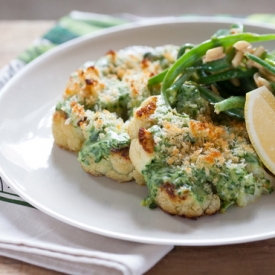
241 259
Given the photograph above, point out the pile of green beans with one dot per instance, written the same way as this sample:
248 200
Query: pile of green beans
190 67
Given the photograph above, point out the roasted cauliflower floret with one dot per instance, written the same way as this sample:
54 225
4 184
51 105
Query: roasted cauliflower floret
107 90
192 167
106 146
117 81
65 125
141 120
65 135
185 202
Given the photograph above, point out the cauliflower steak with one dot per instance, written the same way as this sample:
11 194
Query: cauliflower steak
193 167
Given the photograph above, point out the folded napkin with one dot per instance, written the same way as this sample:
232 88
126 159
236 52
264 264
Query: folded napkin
31 236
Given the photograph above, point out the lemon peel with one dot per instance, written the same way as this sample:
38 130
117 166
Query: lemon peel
259 111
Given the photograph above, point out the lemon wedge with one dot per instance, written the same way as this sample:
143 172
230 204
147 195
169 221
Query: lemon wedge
259 111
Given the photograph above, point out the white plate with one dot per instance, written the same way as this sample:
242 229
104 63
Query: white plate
51 179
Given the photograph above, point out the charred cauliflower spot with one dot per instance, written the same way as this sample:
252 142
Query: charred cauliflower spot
99 99
193 167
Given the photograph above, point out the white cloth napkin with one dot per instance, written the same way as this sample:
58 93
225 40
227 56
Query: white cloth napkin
32 236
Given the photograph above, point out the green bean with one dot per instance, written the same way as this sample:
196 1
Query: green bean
215 98
223 32
157 79
246 84
209 95
216 65
196 53
269 57
234 73
238 26
173 90
229 103
183 48
261 62
270 61
236 113
220 64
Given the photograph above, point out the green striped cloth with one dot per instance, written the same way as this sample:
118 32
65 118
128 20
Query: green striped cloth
67 28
